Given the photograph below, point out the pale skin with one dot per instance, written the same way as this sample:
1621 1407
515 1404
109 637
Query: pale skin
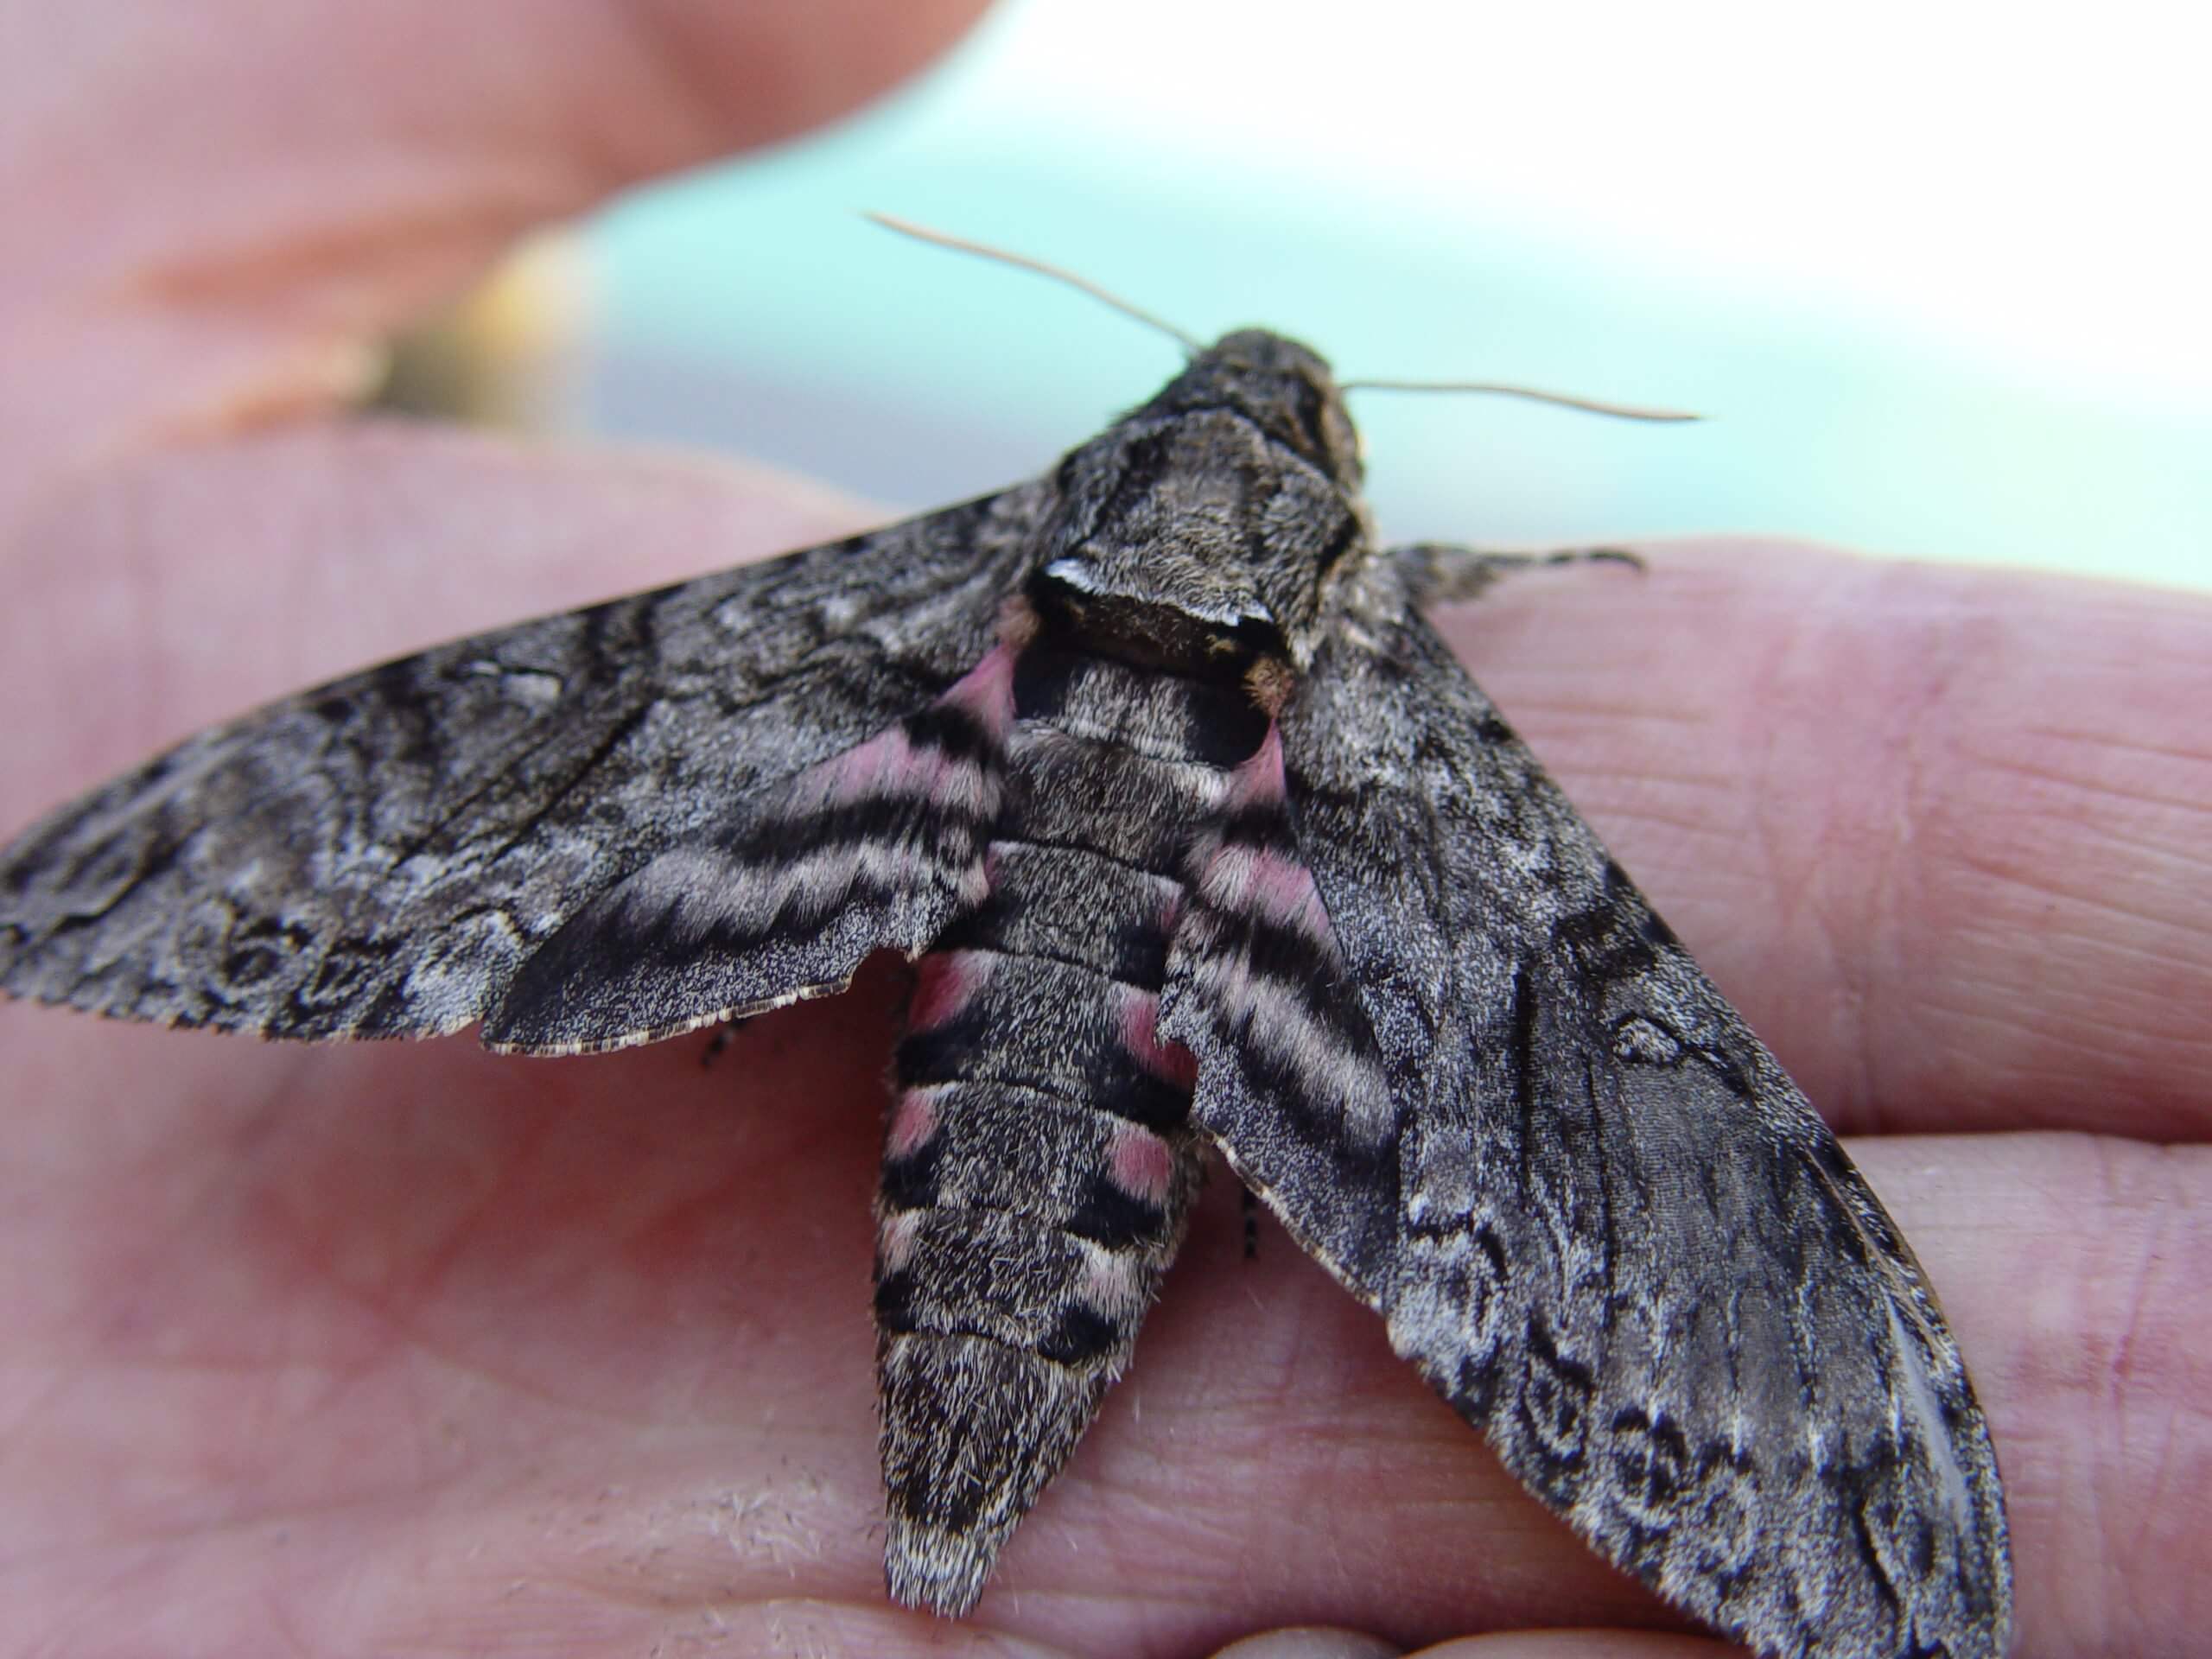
407 1347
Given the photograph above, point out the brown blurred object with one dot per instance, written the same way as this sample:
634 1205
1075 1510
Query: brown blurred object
508 354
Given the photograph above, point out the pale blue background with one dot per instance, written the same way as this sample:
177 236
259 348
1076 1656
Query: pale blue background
1928 314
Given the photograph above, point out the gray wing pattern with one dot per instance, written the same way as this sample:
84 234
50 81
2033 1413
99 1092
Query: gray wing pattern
1590 1205
379 856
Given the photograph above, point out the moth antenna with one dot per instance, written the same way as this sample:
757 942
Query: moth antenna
1589 405
1023 261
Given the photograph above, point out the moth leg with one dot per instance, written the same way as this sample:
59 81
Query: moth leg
1438 573
723 1036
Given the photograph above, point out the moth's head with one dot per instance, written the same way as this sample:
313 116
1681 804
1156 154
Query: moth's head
1211 529
1285 390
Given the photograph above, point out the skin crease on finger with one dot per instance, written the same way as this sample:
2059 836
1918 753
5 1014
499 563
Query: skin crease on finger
414 1347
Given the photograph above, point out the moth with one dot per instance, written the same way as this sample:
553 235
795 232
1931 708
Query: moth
1203 842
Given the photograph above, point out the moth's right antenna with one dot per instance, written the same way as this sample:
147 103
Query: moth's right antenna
1587 406
1022 261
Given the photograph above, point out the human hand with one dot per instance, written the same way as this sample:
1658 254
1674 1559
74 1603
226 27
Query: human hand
410 1347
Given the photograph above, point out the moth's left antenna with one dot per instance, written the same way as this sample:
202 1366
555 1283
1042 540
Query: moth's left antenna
1022 261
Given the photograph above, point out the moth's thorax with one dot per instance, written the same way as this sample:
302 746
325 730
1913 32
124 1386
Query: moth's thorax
1210 528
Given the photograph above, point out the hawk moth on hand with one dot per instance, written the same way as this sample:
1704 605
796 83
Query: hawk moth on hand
1204 841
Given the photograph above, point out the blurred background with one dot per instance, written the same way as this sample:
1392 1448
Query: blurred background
1938 272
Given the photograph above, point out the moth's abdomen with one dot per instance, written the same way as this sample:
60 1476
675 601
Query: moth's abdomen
1038 1166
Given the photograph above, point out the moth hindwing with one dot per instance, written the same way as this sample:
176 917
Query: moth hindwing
1203 840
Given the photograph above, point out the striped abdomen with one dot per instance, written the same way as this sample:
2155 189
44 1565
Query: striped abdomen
1040 1165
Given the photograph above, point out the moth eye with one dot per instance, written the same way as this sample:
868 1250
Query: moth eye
1340 438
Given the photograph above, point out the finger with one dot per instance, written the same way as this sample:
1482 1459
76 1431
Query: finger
212 211
1316 1644
2072 1269
184 586
1314 1468
1580 1645
1940 915
1310 1642
1943 835
705 1382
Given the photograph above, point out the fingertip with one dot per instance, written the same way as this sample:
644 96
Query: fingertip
799 67
1310 1642
225 206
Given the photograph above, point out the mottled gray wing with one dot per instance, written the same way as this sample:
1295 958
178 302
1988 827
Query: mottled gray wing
1448 1043
379 856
